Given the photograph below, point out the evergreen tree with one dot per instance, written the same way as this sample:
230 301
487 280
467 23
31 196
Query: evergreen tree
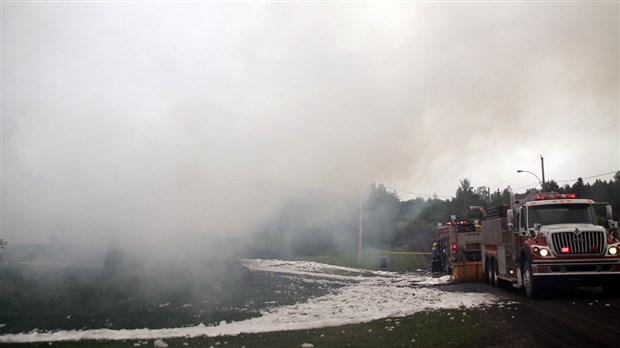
579 188
552 186
315 223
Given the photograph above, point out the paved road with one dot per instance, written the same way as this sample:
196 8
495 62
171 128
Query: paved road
581 317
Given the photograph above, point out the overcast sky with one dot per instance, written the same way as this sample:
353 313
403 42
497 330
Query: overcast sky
164 118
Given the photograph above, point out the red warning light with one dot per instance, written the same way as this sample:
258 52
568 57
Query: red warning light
565 250
555 196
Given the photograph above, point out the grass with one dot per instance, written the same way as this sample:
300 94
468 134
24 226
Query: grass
55 302
426 329
395 260
91 304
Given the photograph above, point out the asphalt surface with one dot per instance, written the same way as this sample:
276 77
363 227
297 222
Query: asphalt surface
569 317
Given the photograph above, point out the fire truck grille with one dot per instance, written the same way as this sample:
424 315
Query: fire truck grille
584 243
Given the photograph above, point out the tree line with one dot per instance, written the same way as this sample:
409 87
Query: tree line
323 223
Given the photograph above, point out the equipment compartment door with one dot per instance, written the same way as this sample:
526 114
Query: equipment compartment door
501 259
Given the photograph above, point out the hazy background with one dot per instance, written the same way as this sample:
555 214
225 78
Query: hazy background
157 122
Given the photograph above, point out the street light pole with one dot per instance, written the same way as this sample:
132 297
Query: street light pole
542 167
536 176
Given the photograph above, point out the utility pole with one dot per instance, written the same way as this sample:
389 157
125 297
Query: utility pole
489 190
542 166
359 243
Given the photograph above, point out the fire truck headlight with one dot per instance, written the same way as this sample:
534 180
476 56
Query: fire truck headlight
544 252
613 250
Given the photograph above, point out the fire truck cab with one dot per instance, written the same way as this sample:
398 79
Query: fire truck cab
550 237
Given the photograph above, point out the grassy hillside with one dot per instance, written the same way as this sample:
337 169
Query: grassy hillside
371 259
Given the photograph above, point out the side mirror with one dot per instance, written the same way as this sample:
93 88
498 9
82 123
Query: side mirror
608 212
534 231
510 218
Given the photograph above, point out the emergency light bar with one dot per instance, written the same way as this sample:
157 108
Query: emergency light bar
556 196
463 222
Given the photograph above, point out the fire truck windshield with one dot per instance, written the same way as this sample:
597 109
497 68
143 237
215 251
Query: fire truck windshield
561 214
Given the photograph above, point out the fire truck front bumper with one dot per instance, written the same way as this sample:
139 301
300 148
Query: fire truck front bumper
595 267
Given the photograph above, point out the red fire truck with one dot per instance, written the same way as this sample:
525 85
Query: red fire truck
548 238
459 245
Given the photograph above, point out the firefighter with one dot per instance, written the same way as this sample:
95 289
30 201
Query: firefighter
436 261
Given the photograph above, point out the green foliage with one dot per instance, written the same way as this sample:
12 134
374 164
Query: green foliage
3 245
43 289
396 260
321 224
442 328
599 191
380 212
311 224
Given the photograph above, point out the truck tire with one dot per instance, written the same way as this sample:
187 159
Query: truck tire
487 268
496 281
530 283
490 269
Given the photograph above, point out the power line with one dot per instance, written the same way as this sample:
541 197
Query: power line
527 186
519 188
513 175
561 148
504 180
589 177
570 180
418 194
581 140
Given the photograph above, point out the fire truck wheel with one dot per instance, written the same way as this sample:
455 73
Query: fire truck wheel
496 281
530 283
487 270
490 268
